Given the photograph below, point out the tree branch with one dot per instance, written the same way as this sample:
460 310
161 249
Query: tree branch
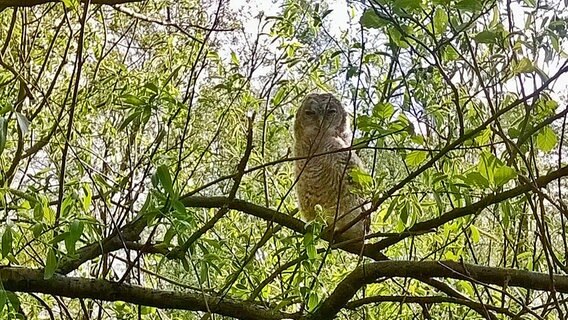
368 273
427 300
471 209
31 280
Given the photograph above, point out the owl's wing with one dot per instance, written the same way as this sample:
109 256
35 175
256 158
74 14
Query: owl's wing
345 163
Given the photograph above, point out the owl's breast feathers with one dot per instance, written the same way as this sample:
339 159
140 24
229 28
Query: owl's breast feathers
323 178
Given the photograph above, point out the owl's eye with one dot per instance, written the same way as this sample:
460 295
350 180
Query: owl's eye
310 112
331 111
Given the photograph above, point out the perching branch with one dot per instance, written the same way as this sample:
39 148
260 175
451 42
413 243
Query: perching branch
31 280
368 273
267 214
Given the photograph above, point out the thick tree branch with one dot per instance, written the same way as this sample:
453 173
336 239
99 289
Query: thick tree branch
31 3
31 280
372 251
471 209
130 232
280 218
368 273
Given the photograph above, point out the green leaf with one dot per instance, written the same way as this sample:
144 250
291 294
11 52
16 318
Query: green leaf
404 213
361 177
415 158
396 38
76 229
483 137
279 96
546 139
487 36
407 4
476 179
503 174
134 115
234 58
14 301
71 4
179 207
530 3
440 21
152 87
7 242
369 19
366 123
383 110
524 65
450 54
132 100
470 5
3 133
487 164
37 229
2 299
38 212
513 132
67 205
467 287
392 205
313 301
87 198
165 179
50 264
311 251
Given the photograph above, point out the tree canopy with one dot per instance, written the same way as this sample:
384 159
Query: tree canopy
146 164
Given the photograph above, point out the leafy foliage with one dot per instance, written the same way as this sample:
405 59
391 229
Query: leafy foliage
147 143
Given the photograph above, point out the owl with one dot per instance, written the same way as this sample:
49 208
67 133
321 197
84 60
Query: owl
323 182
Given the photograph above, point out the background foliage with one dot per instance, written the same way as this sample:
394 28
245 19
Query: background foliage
148 143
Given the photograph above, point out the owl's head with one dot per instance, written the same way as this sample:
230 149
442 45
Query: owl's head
320 115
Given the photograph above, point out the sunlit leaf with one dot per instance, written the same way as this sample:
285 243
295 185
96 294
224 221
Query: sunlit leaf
546 139
440 20
313 301
383 110
416 158
361 177
503 174
524 65
132 100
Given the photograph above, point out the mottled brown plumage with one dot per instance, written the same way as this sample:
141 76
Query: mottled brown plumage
321 127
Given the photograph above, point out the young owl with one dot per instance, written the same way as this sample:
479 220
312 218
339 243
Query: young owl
321 126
